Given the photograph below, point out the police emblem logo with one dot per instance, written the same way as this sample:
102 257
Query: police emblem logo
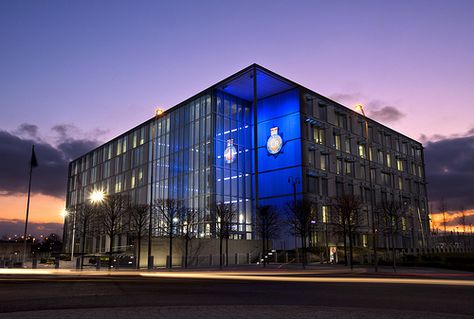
274 142
230 152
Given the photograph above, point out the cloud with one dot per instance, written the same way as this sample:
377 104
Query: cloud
386 114
376 109
50 177
450 171
27 130
12 227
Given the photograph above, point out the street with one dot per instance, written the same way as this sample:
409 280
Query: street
237 294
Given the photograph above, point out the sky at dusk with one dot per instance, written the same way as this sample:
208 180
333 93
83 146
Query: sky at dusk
75 74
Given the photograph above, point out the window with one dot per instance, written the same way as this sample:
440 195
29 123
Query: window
313 184
318 135
337 141
362 172
389 160
385 179
347 143
325 216
323 112
400 164
380 157
362 150
364 240
339 166
349 168
324 187
400 183
119 146
341 120
324 162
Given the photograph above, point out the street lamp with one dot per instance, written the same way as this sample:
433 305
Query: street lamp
65 213
97 196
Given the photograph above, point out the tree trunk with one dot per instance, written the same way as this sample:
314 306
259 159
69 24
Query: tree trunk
303 250
186 253
171 249
350 248
220 251
84 229
345 245
111 245
394 254
139 250
227 250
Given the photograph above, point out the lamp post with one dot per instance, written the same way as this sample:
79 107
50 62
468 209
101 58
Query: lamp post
158 112
360 107
294 181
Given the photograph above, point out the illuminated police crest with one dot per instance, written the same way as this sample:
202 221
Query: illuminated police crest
230 152
274 142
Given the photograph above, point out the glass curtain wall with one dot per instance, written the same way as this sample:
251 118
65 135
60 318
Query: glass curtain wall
183 160
233 160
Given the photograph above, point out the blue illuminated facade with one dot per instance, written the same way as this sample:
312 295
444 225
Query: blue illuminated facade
243 141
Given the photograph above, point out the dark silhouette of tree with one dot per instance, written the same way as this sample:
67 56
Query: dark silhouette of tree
300 215
112 217
391 224
139 215
224 214
188 229
346 217
87 213
267 227
168 212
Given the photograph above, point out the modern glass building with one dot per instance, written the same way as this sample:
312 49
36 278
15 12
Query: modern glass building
249 140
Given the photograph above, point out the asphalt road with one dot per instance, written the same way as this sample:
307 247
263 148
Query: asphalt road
167 297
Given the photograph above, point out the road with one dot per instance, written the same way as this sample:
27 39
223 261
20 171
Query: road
239 294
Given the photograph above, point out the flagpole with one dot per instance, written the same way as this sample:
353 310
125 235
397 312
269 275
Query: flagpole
27 208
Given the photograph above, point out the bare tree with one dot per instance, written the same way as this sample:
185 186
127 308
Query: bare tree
139 214
86 215
224 214
188 229
443 208
346 217
112 217
391 224
168 212
267 227
300 215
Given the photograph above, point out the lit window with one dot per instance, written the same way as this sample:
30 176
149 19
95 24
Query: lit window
337 142
361 151
325 214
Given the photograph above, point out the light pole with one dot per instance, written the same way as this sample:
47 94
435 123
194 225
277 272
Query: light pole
158 112
294 181
360 107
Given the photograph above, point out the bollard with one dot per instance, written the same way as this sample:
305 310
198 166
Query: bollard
210 260
151 262
168 263
248 258
56 263
286 257
78 263
97 264
35 263
276 256
236 258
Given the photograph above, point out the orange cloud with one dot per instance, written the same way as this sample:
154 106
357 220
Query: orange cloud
43 208
453 220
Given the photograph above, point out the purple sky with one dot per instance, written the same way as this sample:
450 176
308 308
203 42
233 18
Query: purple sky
87 71
107 64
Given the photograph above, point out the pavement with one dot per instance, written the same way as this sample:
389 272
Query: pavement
320 291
